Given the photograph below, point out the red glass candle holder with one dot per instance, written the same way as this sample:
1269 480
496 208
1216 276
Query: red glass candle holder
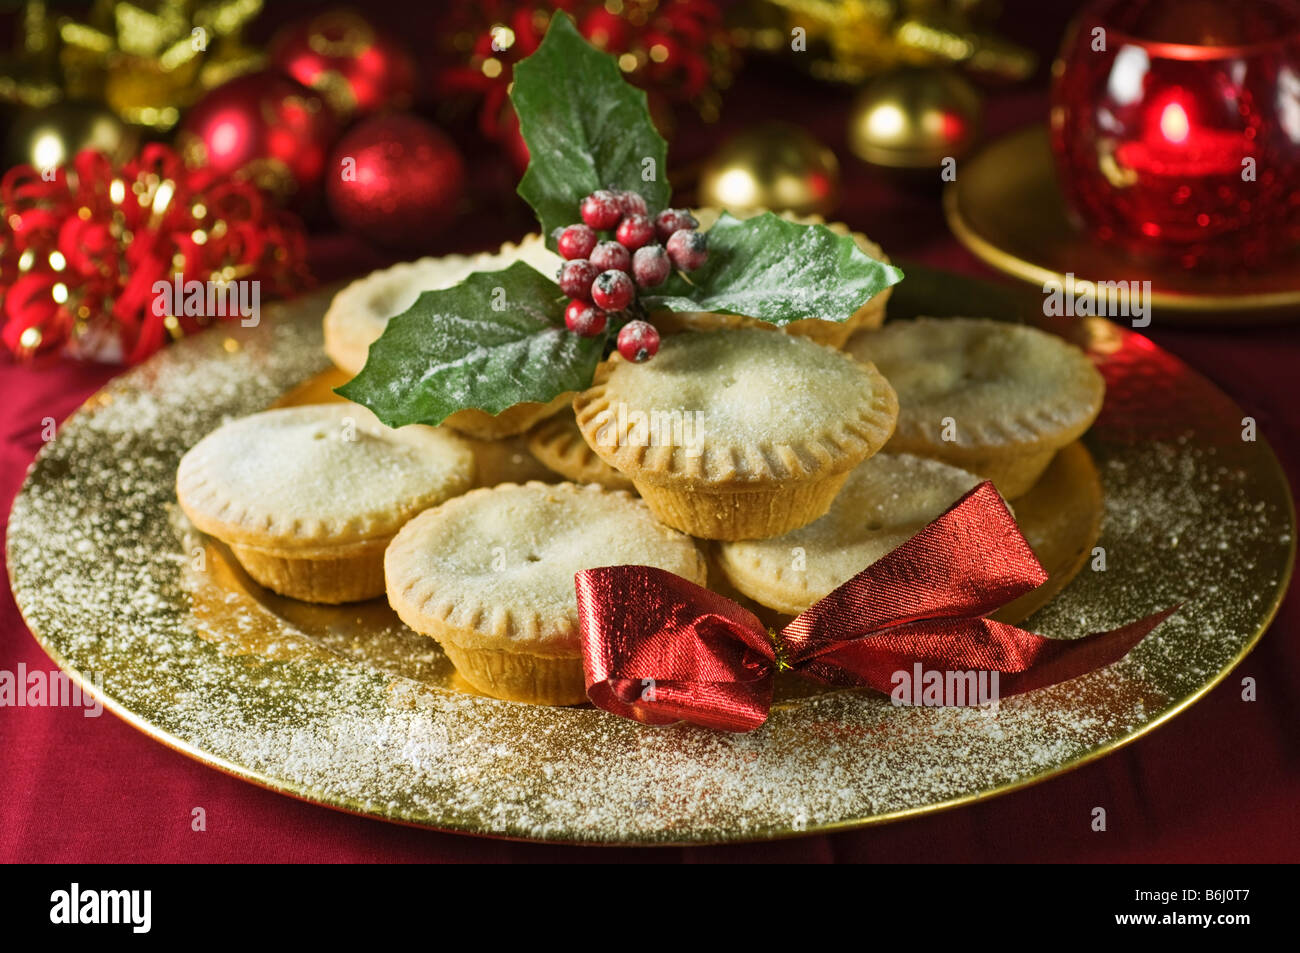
1176 128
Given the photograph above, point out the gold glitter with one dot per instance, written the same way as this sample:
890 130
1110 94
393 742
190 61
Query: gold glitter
59 293
30 339
492 67
57 261
659 53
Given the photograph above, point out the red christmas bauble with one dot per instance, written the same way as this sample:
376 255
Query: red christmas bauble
395 180
357 67
264 127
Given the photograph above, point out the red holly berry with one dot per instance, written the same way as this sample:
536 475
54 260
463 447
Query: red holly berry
632 202
602 209
634 231
576 277
611 256
688 249
613 290
651 266
576 241
672 220
638 341
583 319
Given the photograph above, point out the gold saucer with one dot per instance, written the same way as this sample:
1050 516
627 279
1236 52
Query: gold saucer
345 707
1006 207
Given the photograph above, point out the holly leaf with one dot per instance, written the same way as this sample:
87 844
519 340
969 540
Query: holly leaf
586 129
490 342
777 271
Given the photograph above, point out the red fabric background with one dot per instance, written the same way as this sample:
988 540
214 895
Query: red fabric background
1218 783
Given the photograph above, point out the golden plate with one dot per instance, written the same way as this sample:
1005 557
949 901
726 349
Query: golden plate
1006 207
347 708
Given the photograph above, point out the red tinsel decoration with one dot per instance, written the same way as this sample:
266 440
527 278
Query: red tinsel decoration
677 48
81 250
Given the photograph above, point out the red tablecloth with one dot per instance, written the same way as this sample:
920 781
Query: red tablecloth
1218 783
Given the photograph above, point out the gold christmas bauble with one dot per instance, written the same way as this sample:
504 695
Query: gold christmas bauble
144 92
51 136
915 119
775 165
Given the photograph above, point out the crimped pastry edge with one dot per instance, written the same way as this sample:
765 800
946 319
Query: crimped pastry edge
836 449
206 507
555 445
1035 429
454 617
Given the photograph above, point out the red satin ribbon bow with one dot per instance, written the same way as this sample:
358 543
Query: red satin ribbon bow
659 649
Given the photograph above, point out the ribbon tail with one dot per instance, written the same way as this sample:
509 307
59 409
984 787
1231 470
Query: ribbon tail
1024 661
1059 660
966 563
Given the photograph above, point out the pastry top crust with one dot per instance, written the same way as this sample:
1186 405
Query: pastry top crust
734 407
325 474
886 501
359 313
494 569
1004 385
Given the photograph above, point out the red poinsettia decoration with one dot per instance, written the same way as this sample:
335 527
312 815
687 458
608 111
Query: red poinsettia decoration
82 249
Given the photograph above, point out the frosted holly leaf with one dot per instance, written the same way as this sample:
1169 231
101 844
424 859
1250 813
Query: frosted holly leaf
777 271
586 128
494 340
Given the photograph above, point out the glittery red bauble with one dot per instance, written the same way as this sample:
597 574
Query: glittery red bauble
357 67
264 127
395 180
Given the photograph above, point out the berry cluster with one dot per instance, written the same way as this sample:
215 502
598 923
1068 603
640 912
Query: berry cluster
602 276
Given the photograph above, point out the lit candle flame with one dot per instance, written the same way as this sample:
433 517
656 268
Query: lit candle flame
1173 123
